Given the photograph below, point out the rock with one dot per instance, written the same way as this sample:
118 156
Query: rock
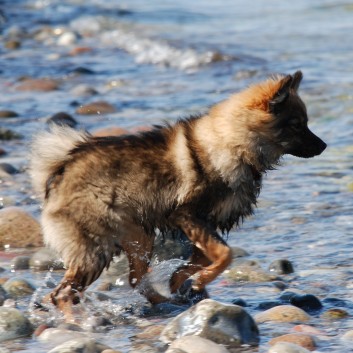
286 347
7 169
286 296
151 332
57 336
8 114
307 302
8 135
18 287
249 271
82 71
335 314
12 44
196 344
240 302
310 330
283 313
305 341
230 325
238 252
80 345
18 229
62 119
111 131
13 324
83 90
281 267
4 350
348 336
80 51
3 295
268 305
45 259
20 263
2 152
99 107
111 351
38 84
67 38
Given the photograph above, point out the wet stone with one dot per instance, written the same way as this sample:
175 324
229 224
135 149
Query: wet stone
13 324
268 305
112 131
83 90
8 169
8 114
38 84
82 71
62 119
57 336
305 341
281 267
96 108
195 344
2 152
20 263
18 229
307 302
12 44
240 302
348 336
19 287
287 347
283 313
8 135
334 314
224 324
80 345
45 259
3 295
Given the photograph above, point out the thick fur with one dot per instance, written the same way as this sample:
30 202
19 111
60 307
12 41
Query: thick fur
203 174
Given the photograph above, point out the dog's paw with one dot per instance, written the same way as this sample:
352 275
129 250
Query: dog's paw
189 294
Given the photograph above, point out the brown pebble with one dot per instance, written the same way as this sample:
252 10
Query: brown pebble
8 114
335 314
12 44
111 131
300 339
18 229
151 332
283 313
80 50
38 84
308 330
2 152
99 107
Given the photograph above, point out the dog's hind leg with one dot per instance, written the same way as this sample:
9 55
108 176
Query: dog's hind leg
211 245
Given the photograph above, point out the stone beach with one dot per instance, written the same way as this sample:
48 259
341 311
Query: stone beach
114 69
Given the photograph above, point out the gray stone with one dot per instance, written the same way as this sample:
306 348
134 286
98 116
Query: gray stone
80 345
45 259
57 336
286 347
195 344
13 324
3 295
221 323
20 263
18 287
281 267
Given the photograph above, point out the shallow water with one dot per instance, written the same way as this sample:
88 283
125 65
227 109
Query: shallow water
161 60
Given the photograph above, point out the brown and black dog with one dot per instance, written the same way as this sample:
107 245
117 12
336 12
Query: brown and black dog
103 195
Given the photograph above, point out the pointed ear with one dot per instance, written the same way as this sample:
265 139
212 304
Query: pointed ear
297 78
282 94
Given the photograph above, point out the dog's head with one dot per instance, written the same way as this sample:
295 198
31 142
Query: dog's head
290 120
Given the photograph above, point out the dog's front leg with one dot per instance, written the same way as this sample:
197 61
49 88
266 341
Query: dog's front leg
212 246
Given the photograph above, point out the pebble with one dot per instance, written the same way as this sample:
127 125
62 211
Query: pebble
13 324
38 84
67 38
20 263
283 313
62 119
281 267
8 135
335 314
8 114
18 229
307 302
3 295
111 131
99 107
196 344
287 347
248 270
8 169
57 336
83 90
303 340
80 345
45 259
12 44
2 152
18 287
80 51
82 71
308 330
224 324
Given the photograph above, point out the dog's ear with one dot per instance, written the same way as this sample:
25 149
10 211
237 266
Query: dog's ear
282 94
297 78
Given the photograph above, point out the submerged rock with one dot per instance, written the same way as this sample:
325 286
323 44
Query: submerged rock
45 259
195 344
8 114
18 287
303 340
286 347
38 84
18 229
225 324
99 107
307 302
62 119
20 263
57 336
80 345
281 267
8 135
13 324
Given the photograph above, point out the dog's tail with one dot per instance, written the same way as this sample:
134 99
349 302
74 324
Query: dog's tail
51 151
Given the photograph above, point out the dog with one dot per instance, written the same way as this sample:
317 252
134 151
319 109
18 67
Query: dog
201 175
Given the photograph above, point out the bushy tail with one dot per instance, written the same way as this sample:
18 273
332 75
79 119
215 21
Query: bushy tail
50 150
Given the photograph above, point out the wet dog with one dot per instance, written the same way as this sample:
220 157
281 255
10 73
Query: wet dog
201 176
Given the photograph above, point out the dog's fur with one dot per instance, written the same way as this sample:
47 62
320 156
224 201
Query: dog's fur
203 174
